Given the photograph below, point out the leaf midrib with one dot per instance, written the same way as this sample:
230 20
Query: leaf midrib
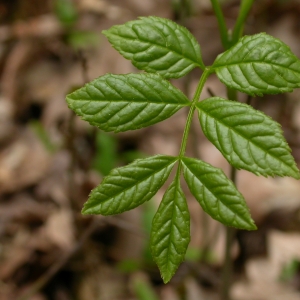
253 62
193 42
130 101
170 242
160 46
173 32
172 223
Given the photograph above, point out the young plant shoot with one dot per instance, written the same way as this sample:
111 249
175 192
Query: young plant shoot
256 65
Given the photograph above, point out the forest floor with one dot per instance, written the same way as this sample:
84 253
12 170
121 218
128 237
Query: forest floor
50 161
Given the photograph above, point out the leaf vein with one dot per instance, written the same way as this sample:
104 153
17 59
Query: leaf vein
165 48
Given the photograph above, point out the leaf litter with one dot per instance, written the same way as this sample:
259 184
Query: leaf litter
40 227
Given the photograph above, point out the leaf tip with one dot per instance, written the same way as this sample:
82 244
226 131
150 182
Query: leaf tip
105 32
252 226
69 100
85 210
166 278
296 175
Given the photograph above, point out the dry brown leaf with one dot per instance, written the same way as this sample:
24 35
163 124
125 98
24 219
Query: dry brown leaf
23 163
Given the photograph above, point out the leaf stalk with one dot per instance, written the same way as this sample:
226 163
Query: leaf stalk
196 97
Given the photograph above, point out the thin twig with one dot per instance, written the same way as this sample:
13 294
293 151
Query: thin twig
72 169
71 141
185 9
56 267
211 93
227 271
249 99
84 65
52 271
227 267
124 225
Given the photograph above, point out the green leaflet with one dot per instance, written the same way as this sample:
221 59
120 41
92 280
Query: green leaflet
247 138
170 234
216 194
259 64
128 187
126 102
157 45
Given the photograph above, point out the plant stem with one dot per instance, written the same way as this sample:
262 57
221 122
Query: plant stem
72 168
227 268
59 264
185 9
191 112
227 42
84 66
239 25
184 14
232 94
221 22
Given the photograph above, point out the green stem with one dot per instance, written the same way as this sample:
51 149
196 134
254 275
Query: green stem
185 10
232 94
239 25
191 112
221 22
227 268
227 271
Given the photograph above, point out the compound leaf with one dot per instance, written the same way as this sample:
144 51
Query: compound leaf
170 234
216 194
259 64
128 187
126 102
246 137
157 45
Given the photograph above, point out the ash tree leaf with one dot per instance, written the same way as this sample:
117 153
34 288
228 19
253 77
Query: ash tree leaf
128 187
216 194
157 45
246 137
259 64
126 102
170 234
